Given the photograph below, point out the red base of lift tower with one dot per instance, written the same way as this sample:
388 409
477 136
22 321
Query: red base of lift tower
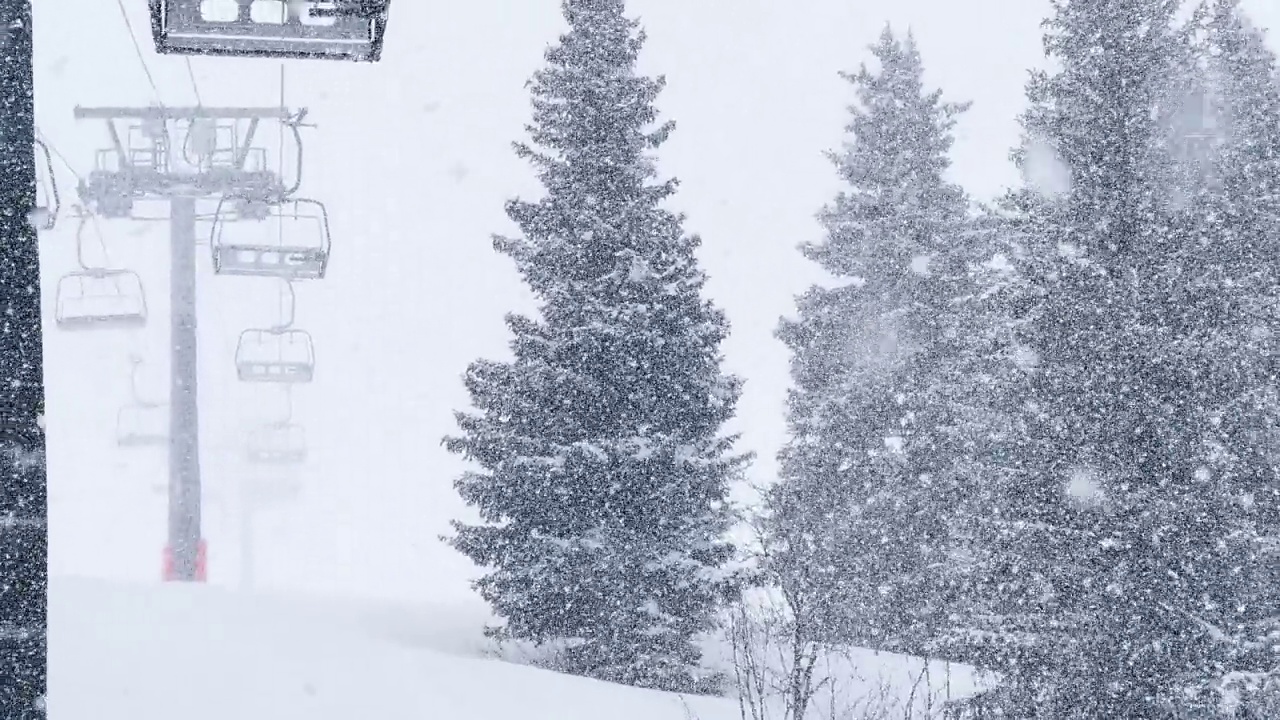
202 564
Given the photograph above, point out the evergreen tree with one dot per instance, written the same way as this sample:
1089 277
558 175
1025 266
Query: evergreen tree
1235 222
604 475
1120 552
860 510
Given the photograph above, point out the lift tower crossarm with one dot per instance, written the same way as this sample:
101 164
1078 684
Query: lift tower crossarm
24 538
158 112
141 163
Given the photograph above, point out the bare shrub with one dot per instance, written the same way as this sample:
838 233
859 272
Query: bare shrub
782 675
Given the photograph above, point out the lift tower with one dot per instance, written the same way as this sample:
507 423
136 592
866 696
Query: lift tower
23 495
181 156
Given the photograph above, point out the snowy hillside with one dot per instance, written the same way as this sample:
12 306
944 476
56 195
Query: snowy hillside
153 653
122 651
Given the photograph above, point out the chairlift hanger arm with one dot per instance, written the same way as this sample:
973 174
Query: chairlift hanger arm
53 187
290 295
136 363
295 123
84 221
297 174
288 406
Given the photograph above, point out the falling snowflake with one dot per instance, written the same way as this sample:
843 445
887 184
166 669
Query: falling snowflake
1084 487
1045 171
1026 358
39 218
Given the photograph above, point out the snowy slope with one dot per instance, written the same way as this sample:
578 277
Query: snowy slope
128 651
123 652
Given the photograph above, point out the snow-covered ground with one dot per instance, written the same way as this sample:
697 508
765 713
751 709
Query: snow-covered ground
200 653
157 652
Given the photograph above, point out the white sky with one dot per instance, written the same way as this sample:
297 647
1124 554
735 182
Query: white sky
413 159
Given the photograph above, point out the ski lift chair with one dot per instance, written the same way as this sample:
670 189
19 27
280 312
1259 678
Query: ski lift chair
141 425
305 29
278 444
292 242
100 299
278 355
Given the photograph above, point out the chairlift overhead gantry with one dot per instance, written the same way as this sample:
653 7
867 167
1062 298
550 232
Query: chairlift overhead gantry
350 30
161 152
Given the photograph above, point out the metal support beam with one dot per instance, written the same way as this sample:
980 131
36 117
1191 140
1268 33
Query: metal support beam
157 112
185 540
24 538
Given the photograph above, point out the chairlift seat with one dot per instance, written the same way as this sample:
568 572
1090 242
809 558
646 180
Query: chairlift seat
142 426
305 29
278 444
293 263
288 240
100 299
276 355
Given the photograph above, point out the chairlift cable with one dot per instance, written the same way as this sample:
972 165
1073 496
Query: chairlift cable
56 152
290 295
191 73
102 239
133 38
280 152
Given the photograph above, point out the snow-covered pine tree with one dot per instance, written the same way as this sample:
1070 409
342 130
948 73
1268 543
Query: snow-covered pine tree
604 473
860 512
1122 547
1235 221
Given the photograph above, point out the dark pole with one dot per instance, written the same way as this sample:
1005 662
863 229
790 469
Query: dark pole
185 542
23 496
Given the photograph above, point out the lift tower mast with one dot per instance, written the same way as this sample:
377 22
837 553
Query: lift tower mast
23 495
181 156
